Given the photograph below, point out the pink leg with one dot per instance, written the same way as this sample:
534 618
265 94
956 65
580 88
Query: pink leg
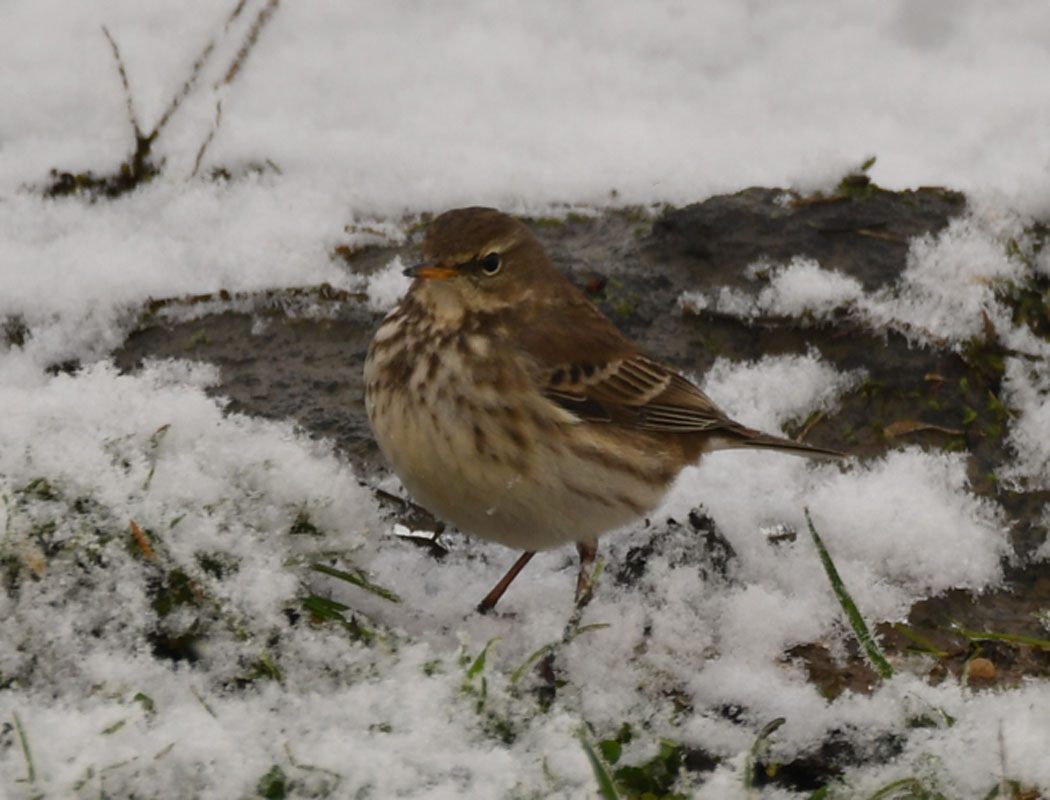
493 597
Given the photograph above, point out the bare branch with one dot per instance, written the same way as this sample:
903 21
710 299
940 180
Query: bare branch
124 80
195 71
207 141
187 87
263 17
265 13
234 14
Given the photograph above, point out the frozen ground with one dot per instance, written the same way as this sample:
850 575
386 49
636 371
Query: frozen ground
198 652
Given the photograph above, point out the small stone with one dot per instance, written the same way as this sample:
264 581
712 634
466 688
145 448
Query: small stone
982 669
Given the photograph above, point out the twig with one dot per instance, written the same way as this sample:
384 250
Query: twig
249 41
235 66
195 71
234 14
142 542
124 80
208 139
139 167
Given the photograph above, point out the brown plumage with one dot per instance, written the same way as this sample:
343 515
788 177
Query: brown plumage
511 406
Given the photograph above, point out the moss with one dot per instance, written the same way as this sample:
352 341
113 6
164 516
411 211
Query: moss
273 785
323 609
615 299
15 331
636 214
858 185
40 489
499 728
217 565
263 668
986 357
177 589
131 174
197 339
547 222
303 526
1029 304
654 778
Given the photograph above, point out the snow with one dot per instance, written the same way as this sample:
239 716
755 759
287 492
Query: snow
949 283
391 106
803 287
800 287
345 123
387 286
75 278
1027 385
772 391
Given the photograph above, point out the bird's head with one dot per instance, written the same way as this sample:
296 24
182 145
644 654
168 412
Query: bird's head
484 259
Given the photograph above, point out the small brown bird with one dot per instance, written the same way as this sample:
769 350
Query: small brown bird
510 406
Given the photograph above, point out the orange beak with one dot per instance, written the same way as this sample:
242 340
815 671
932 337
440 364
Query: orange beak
431 271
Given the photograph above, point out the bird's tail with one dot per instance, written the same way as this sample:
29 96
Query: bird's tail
739 437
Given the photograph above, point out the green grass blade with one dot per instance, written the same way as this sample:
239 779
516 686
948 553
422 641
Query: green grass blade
920 641
758 750
151 452
606 785
907 789
357 579
515 676
1009 638
478 666
542 651
856 621
325 609
26 752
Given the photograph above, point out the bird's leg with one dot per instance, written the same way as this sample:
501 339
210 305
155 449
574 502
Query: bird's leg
493 597
584 587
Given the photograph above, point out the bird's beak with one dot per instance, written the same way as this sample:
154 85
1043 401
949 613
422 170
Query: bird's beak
430 270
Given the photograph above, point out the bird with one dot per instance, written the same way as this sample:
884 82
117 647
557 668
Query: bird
511 407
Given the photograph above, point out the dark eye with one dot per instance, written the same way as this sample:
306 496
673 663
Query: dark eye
491 263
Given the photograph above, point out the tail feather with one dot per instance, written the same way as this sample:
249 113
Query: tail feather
740 438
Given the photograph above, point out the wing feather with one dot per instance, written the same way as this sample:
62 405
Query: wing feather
636 391
582 363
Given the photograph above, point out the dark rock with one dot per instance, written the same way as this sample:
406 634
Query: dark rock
865 237
299 368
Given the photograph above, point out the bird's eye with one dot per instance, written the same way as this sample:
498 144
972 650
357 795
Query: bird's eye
491 264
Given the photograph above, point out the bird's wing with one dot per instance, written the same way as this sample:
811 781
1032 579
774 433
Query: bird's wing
586 366
636 391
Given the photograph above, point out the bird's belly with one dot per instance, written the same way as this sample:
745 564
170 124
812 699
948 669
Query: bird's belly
512 469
